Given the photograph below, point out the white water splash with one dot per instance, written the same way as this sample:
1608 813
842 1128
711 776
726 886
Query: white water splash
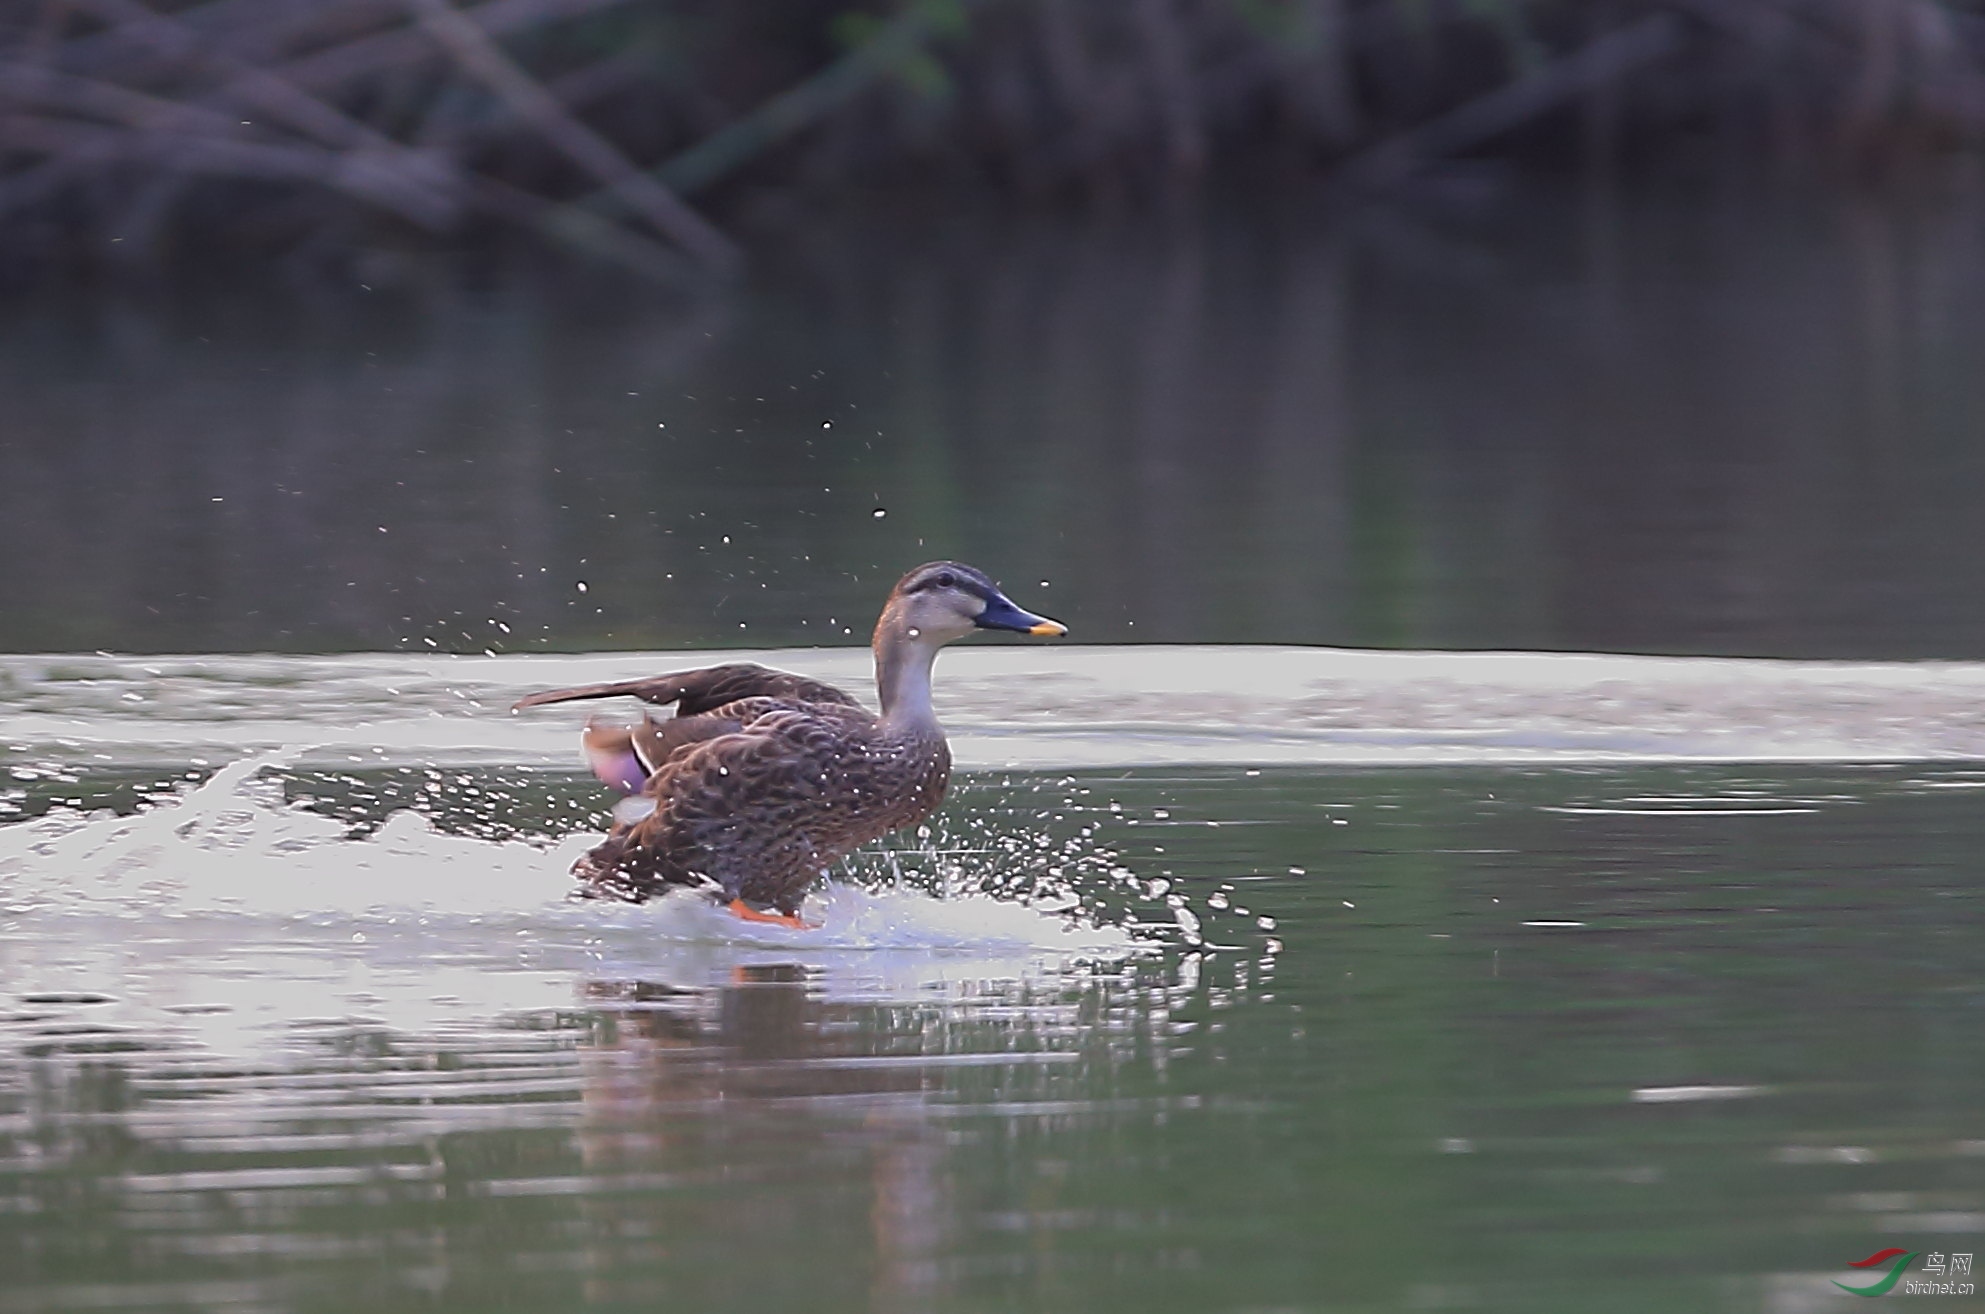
229 920
234 846
847 917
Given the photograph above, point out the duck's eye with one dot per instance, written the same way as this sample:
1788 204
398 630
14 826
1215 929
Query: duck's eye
947 580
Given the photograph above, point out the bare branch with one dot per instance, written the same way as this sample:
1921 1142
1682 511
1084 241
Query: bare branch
324 69
732 145
662 209
176 148
424 183
1602 60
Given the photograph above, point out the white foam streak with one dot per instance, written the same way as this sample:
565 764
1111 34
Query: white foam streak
1038 707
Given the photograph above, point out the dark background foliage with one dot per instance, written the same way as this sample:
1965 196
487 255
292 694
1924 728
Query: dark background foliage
652 134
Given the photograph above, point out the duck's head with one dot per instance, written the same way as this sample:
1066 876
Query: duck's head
945 600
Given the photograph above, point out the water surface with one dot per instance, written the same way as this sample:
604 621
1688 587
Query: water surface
1727 420
1265 958
1615 1027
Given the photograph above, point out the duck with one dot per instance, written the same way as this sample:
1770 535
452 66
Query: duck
763 779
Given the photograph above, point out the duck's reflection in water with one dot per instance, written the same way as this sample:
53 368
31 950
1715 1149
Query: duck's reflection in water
763 1137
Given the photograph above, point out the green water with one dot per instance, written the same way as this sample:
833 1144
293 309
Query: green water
1742 423
1629 1039
294 1014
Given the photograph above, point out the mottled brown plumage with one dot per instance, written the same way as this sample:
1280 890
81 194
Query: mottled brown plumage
764 779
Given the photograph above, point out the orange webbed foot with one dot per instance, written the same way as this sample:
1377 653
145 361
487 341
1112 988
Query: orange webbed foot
745 912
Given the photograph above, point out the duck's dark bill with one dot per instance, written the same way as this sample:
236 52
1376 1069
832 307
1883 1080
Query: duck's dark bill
1003 615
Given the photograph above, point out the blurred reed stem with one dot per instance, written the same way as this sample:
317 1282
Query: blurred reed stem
632 130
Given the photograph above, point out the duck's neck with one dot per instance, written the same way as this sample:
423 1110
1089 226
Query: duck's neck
902 677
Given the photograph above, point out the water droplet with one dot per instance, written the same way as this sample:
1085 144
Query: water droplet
582 586
879 512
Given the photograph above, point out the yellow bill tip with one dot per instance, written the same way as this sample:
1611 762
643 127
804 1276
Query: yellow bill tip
1049 629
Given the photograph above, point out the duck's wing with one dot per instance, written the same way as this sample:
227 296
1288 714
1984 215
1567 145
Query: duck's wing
709 703
624 756
699 691
756 812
